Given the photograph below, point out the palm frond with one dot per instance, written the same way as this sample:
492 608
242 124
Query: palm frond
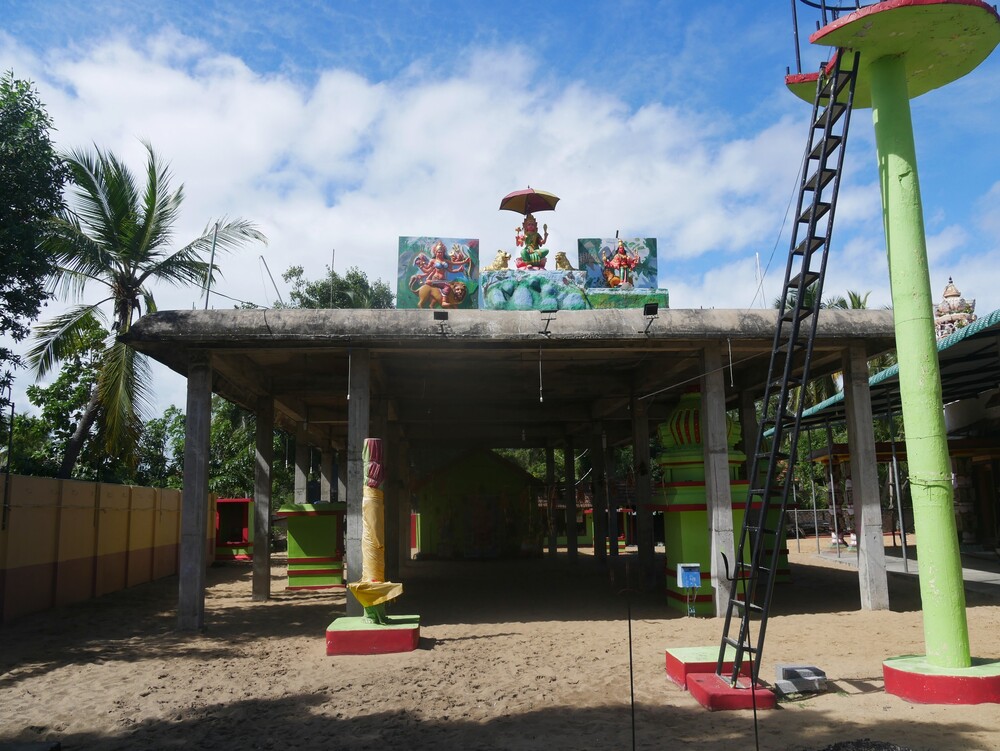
159 210
79 259
123 391
58 337
186 265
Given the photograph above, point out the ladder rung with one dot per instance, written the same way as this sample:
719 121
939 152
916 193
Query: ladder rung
810 244
791 315
820 180
793 381
830 143
820 211
744 605
791 347
766 455
835 110
843 80
835 84
809 276
773 419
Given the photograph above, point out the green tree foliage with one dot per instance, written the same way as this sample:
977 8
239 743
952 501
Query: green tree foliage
31 181
32 448
231 453
353 290
119 238
161 451
62 403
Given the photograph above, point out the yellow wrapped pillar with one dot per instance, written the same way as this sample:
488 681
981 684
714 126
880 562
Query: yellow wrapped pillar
371 591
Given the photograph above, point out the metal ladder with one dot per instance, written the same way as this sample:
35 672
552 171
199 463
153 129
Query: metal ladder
822 164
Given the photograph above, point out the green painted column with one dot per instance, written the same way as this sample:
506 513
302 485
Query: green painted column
946 632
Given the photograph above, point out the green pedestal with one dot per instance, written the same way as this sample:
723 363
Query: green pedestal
315 544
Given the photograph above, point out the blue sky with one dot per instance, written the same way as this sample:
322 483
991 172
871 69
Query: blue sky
343 125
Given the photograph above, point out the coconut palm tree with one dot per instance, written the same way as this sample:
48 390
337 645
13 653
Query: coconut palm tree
118 236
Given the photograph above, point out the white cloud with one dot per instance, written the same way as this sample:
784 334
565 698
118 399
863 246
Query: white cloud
351 163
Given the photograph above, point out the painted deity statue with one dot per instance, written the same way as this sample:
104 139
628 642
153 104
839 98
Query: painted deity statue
528 238
618 265
432 284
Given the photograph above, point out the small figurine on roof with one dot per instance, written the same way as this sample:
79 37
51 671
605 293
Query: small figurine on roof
618 265
528 238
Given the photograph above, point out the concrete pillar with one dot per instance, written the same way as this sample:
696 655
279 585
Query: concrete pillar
262 499
194 498
302 455
643 493
341 465
569 470
599 478
613 501
864 481
326 475
358 407
550 484
749 427
402 467
718 494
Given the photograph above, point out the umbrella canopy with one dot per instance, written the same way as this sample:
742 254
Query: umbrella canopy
528 201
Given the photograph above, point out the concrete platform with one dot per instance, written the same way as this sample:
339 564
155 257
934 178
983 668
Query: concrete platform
682 661
357 636
715 694
913 678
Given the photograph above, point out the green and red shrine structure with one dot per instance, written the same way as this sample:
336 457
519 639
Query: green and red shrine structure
315 544
681 498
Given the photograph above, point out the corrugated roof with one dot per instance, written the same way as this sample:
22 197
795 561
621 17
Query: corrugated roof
970 365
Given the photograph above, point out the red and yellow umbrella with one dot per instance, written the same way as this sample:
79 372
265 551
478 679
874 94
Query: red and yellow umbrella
529 201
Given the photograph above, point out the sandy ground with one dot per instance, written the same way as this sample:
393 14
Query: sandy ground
514 655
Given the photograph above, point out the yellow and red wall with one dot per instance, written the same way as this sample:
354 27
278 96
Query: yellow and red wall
65 541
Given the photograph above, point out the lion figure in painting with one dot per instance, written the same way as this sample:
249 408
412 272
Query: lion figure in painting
450 296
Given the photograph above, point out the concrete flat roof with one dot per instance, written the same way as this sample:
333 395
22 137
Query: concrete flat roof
496 378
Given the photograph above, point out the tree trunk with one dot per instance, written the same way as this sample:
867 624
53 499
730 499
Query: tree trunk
75 444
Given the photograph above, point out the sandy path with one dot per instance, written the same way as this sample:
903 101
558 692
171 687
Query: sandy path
514 655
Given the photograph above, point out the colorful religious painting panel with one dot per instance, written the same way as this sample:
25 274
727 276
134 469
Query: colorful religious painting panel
613 263
437 272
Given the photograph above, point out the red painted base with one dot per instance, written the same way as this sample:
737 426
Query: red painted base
913 679
714 693
682 661
356 636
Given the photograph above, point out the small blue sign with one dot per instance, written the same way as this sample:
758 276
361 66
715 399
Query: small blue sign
689 575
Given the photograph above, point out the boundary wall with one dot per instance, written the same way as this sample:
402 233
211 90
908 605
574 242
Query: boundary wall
65 541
